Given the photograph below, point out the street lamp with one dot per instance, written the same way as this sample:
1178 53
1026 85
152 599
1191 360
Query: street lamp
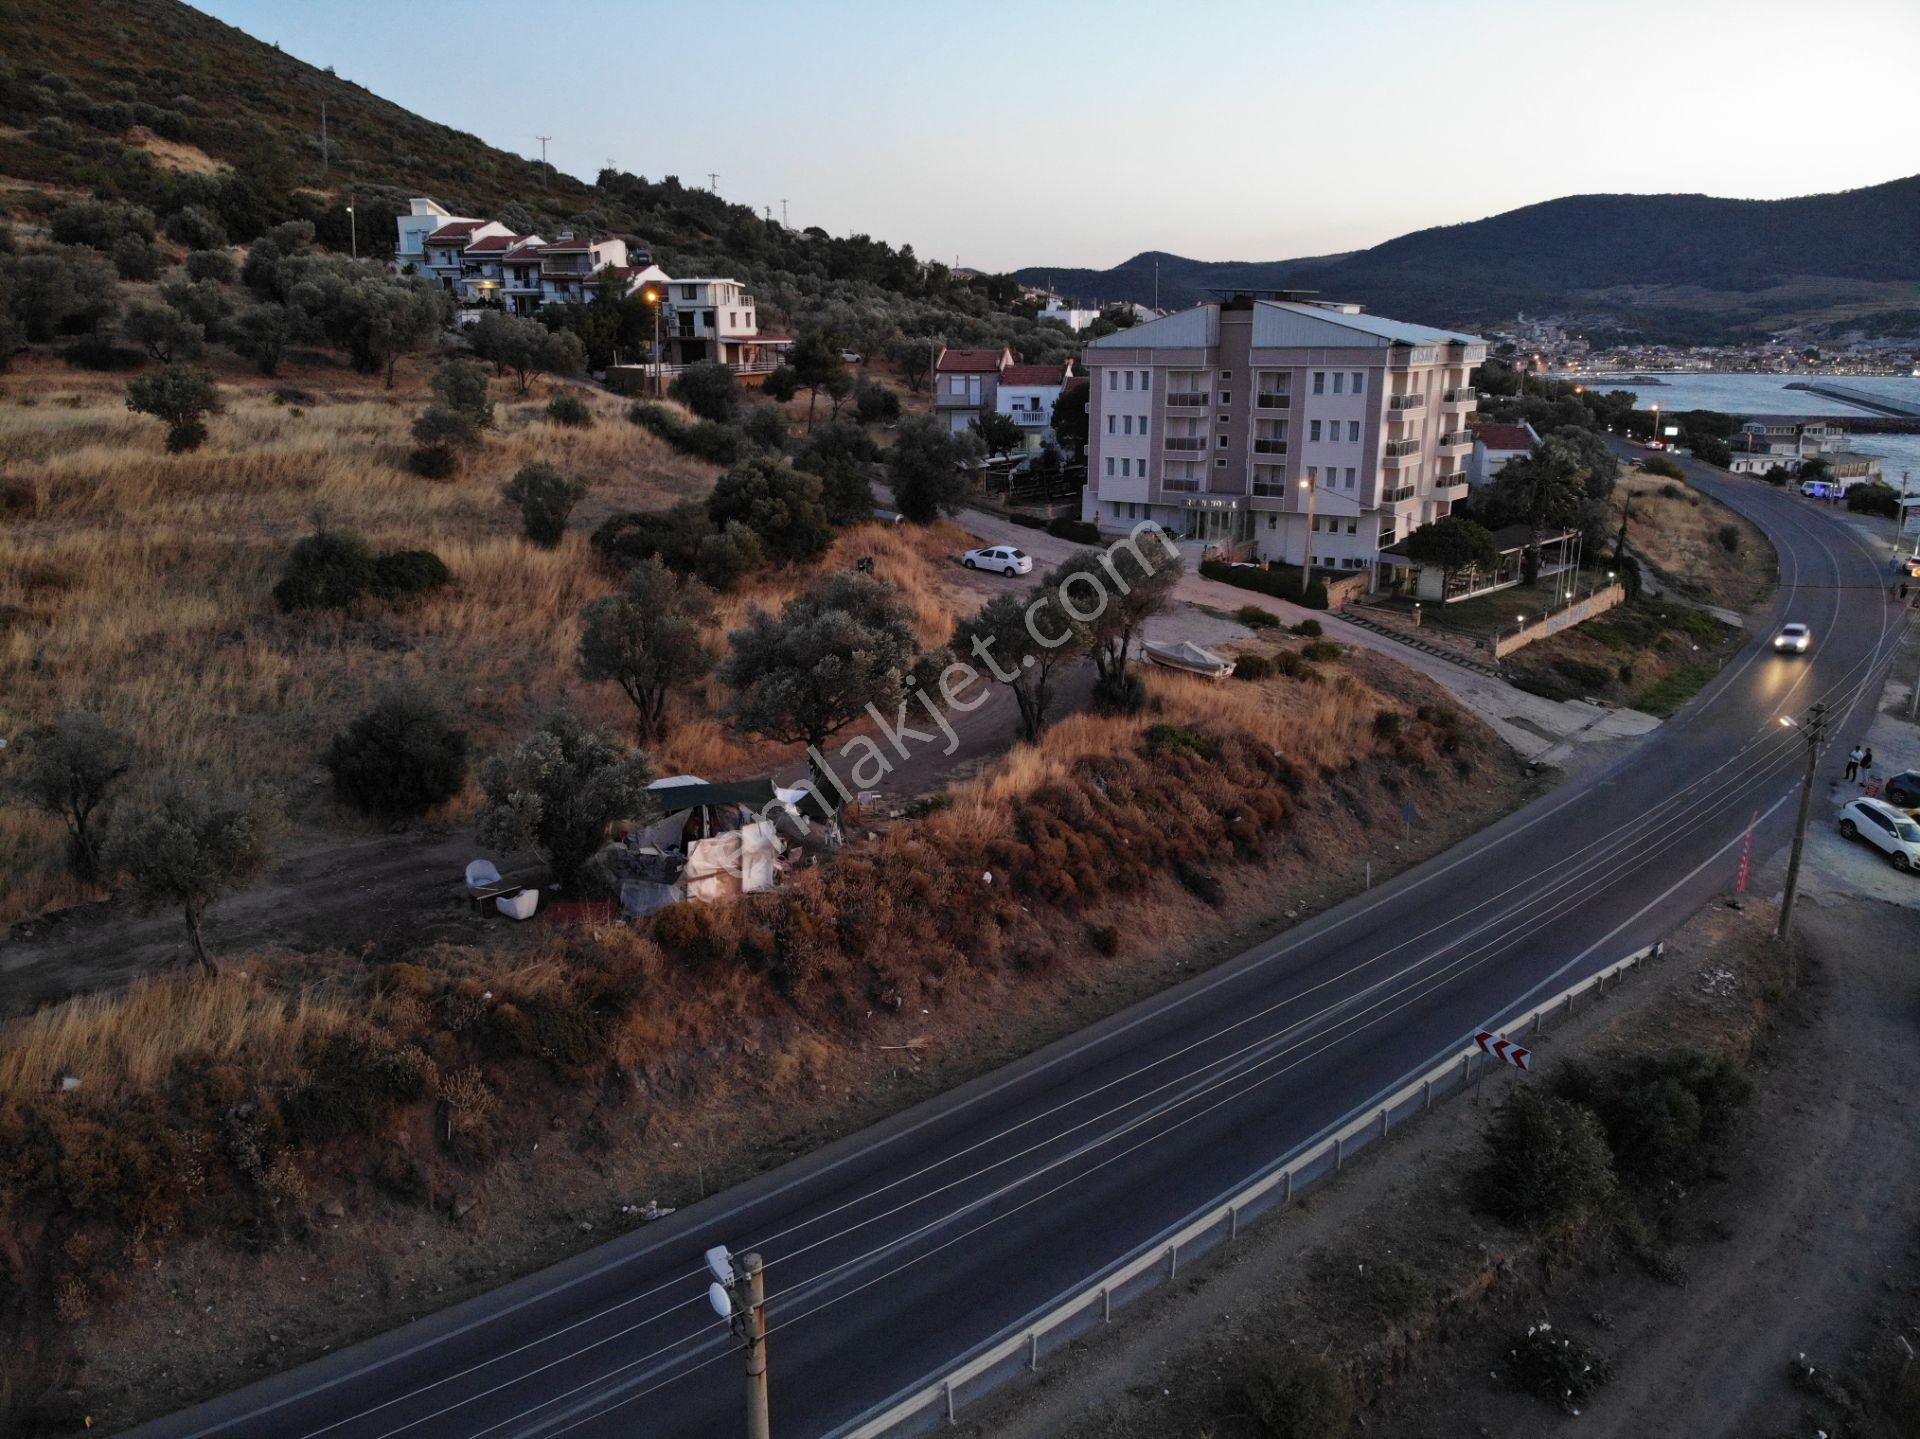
353 232
653 298
1814 731
1306 554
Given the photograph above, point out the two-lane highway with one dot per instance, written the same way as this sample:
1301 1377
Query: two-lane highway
896 1251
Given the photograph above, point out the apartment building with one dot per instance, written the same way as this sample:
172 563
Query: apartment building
965 382
1283 429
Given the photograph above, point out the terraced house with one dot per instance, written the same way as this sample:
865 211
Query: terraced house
1280 429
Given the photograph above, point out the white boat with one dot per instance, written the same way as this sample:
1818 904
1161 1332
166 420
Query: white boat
1189 658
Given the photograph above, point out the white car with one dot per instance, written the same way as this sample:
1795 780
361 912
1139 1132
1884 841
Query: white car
1890 830
1004 558
1793 639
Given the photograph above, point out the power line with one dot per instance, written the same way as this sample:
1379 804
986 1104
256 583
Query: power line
543 161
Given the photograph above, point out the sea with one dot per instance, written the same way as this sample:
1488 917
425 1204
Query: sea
1769 395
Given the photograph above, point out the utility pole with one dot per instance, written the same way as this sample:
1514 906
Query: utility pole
1814 731
713 182
543 161
783 214
739 1295
323 142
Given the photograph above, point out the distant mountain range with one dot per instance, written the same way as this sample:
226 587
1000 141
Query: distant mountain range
1655 266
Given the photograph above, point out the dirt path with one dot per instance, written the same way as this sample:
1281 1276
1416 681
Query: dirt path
363 893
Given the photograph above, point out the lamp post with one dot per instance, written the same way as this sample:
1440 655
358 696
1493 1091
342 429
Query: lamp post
1655 437
653 298
1813 732
739 1296
353 232
1306 553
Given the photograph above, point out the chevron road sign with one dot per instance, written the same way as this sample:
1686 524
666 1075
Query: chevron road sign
1504 1050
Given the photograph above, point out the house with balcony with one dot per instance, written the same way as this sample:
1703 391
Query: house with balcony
1026 394
965 382
1290 428
714 318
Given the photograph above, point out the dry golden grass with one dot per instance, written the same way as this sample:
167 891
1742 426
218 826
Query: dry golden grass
131 1038
1680 533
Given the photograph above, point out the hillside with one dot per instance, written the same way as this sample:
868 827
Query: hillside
1681 266
154 103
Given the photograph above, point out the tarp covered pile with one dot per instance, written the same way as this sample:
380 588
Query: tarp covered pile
715 841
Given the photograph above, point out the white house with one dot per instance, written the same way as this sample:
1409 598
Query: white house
1494 446
1026 394
1067 313
712 317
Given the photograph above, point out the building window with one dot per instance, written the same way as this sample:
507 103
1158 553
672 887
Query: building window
1226 397
1313 473
1219 464
1143 418
1111 421
1126 468
1313 429
1220 442
1337 379
1273 522
1226 374
1350 475
1353 527
1146 379
1109 466
1353 431
1319 382
1129 424
1129 379
1113 379
1359 381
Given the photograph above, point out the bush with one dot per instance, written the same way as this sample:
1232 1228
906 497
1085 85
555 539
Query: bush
766 426
1547 1163
1253 667
214 265
657 418
433 462
1729 537
399 759
1556 1367
1081 532
197 229
19 499
545 498
1661 465
675 535
327 570
182 398
1255 618
400 573
1291 1395
569 410
97 351
1312 629
782 505
134 258
1315 651
708 389
717 444
1120 692
1386 724
1584 673
1282 584
1873 498
1663 1114
875 404
1178 738
728 555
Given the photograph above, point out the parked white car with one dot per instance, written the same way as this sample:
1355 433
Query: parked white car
1793 639
1889 830
1004 558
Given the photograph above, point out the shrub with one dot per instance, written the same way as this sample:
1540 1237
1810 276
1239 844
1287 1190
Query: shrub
182 398
728 555
1663 1114
708 389
874 403
657 418
433 462
1253 617
399 759
1065 527
134 258
19 499
1729 537
1584 673
557 790
766 426
1253 667
1291 1395
545 498
199 230
1312 629
1661 465
1178 739
1120 692
569 410
400 573
327 570
1104 938
1556 1367
1279 583
675 535
779 503
214 265
1386 724
1873 498
717 444
1547 1162
96 351
1315 651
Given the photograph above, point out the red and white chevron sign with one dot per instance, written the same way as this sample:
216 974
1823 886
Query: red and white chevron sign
1504 1050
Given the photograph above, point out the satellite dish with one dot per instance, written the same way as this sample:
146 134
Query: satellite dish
720 1263
721 1301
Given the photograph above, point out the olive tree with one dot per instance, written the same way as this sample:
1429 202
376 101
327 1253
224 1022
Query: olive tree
68 771
646 638
557 791
193 846
181 398
545 498
1026 642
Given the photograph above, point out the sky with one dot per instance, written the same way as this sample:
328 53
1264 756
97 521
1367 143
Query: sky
999 136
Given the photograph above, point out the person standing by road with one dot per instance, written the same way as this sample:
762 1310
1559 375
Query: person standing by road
1866 765
1853 763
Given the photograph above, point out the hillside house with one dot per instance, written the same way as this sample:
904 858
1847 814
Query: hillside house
965 382
1026 394
1494 446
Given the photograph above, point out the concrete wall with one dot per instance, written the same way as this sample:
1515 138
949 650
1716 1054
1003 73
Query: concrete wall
1594 604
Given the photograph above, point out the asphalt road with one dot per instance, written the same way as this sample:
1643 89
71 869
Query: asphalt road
896 1251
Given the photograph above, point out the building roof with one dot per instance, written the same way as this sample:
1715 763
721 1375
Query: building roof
972 361
1282 325
487 244
1503 437
455 230
1034 374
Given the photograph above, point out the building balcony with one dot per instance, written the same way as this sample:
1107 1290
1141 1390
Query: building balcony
1269 447
1456 442
1187 399
1398 454
1464 398
1401 406
1400 494
1274 401
1029 419
1453 487
1186 444
1181 487
1270 489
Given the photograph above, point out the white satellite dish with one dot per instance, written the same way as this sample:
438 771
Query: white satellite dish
721 1301
720 1263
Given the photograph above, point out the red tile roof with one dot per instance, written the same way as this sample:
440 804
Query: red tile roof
1033 375
1503 437
487 244
457 230
971 361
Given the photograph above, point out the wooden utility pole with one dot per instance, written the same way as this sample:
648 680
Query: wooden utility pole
754 1332
543 160
1813 732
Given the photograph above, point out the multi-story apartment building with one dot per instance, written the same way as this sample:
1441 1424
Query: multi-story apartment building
1285 429
965 382
1026 394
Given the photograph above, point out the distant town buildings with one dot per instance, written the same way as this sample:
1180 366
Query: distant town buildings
1763 446
1282 429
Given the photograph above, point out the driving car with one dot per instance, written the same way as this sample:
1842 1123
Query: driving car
1903 790
1887 829
1909 565
1004 558
1793 639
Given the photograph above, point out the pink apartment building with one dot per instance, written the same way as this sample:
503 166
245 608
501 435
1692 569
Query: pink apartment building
1241 421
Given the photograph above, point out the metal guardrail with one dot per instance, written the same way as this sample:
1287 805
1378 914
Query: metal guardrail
1022 1345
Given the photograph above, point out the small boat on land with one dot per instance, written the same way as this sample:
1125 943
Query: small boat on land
1189 658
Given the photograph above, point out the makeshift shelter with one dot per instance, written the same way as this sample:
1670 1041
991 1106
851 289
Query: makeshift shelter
715 841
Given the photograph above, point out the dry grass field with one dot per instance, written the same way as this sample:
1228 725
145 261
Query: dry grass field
136 584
